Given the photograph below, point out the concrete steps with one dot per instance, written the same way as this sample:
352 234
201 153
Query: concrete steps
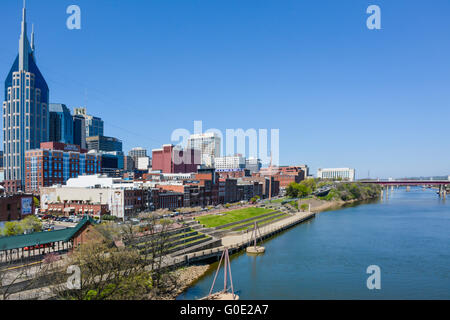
212 243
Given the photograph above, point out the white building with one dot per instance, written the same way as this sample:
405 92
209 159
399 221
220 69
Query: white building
336 173
209 145
143 163
95 189
230 162
137 152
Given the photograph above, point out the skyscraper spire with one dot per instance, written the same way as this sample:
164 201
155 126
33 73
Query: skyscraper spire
24 45
24 17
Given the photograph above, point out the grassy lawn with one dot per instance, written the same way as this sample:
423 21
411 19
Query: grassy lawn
212 221
253 221
264 223
277 200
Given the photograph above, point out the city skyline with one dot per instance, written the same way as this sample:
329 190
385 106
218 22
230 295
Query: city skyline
384 70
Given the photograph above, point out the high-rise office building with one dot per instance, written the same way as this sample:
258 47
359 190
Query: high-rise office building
236 162
102 143
94 125
25 111
61 123
79 131
137 153
253 164
209 145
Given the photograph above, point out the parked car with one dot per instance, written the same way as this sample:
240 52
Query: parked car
41 246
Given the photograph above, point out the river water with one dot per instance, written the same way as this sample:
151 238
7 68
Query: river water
406 235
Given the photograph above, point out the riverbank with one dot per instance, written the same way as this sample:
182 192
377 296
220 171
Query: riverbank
318 205
186 277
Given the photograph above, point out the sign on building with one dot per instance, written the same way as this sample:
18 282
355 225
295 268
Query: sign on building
27 207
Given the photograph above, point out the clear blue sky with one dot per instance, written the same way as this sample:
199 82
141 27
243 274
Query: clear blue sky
341 95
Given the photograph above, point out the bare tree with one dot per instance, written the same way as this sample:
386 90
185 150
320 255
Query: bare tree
118 263
17 277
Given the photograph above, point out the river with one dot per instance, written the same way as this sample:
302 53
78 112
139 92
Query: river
406 235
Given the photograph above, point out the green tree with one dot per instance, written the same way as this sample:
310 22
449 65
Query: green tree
298 190
31 223
291 191
37 203
310 183
12 228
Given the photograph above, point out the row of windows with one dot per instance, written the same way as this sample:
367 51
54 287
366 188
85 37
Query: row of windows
16 107
14 94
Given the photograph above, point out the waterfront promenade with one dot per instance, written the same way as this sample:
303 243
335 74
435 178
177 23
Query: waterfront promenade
238 242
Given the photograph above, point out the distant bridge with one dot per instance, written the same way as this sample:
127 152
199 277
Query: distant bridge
442 184
408 182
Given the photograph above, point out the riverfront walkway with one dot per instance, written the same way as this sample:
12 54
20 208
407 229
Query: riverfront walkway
246 238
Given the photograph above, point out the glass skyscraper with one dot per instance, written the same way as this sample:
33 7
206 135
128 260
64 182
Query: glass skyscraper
94 125
79 131
61 124
25 110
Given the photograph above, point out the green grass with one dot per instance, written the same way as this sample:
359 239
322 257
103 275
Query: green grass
277 200
294 204
253 221
212 221
264 223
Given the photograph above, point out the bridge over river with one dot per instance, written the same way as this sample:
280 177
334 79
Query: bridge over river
441 184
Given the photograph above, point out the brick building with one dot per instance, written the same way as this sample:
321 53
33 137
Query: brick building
16 207
55 163
67 208
285 175
171 159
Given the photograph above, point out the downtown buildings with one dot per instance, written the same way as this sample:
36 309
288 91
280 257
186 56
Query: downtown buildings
45 146
209 145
